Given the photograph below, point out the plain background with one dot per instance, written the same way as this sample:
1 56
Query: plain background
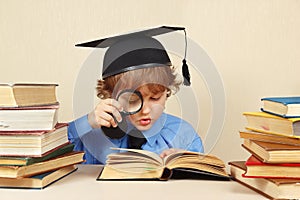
254 46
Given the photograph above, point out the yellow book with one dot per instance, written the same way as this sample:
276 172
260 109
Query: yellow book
268 123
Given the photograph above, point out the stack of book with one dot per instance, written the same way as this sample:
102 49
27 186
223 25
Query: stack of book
34 146
272 137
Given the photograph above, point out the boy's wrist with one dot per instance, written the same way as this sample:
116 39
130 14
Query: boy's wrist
92 120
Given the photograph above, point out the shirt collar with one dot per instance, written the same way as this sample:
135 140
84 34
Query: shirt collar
152 134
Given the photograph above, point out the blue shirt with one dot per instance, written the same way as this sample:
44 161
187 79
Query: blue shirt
167 132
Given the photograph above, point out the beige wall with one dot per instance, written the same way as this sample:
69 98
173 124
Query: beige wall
254 45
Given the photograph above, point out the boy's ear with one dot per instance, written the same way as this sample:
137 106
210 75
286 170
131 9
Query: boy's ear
169 92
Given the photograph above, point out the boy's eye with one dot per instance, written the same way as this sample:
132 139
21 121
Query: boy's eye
155 98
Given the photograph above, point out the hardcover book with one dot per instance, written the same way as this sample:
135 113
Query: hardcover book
22 161
272 138
71 158
133 164
32 143
28 118
258 169
39 181
282 106
27 94
273 152
268 123
273 188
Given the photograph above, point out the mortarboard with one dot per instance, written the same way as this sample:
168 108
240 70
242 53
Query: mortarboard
135 51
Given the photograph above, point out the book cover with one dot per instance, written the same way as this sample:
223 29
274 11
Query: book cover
268 123
133 164
22 161
27 94
255 168
272 188
39 181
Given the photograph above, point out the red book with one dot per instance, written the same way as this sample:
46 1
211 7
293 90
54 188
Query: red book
33 143
258 169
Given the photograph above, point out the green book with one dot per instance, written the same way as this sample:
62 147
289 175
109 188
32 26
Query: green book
22 161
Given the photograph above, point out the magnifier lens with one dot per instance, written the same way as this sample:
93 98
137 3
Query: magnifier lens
131 101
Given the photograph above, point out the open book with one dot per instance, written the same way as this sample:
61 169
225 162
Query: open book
134 164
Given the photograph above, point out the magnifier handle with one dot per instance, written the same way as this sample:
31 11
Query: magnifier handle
116 132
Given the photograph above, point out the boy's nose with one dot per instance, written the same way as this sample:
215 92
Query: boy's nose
146 108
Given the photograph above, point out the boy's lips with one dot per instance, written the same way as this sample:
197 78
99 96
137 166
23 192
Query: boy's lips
145 121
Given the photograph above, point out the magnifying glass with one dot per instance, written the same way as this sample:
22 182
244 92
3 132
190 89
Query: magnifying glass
132 102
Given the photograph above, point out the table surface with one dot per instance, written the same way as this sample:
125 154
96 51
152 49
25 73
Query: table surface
82 185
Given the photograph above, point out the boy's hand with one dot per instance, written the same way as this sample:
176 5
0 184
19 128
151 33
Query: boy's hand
104 114
168 152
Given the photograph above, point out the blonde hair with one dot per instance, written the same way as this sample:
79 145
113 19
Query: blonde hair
157 79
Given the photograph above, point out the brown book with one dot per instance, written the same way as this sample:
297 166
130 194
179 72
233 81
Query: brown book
39 181
272 124
273 188
32 143
134 164
273 152
71 158
265 137
27 94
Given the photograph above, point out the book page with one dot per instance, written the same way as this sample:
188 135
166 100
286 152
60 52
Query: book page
142 153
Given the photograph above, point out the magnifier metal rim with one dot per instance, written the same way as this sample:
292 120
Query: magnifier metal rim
135 92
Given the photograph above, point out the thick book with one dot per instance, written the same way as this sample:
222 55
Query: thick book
22 161
27 94
282 106
28 118
71 158
268 123
265 137
258 169
273 152
32 143
134 164
273 188
39 181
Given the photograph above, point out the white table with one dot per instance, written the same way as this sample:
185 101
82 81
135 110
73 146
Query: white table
82 185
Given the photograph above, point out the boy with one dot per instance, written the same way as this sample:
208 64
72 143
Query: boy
135 62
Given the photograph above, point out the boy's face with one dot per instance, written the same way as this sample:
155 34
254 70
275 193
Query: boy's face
153 107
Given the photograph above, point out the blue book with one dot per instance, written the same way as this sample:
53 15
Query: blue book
286 107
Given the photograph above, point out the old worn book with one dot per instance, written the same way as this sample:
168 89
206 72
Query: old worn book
273 152
257 169
273 188
71 158
265 137
28 118
268 123
288 106
21 161
39 181
133 164
27 94
32 143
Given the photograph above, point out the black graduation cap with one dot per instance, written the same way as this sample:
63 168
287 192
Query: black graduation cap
135 51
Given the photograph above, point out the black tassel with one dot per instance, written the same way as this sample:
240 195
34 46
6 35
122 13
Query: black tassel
186 73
